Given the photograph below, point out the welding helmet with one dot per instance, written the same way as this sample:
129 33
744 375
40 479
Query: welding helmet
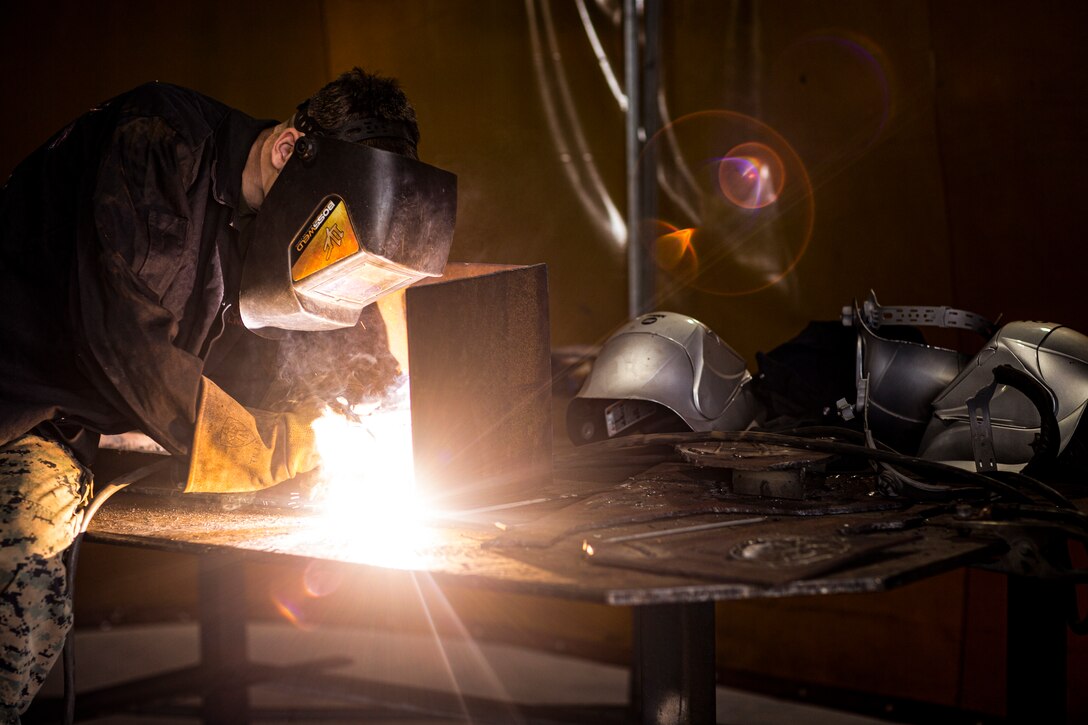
662 371
898 378
343 225
1035 378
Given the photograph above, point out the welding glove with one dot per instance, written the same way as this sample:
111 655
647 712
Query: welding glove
236 449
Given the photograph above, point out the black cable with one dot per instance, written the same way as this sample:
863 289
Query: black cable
1018 512
1044 490
1014 477
1027 481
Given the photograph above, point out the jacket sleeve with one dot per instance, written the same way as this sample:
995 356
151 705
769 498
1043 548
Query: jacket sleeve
133 236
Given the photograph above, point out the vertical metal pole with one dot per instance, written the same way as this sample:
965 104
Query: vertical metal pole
631 62
673 669
651 123
223 638
1035 667
641 84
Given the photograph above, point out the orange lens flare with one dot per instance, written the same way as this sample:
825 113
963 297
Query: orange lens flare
674 251
287 611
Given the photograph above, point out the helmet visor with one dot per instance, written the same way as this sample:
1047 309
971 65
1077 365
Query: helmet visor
343 225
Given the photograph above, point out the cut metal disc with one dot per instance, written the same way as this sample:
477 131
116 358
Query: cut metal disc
750 456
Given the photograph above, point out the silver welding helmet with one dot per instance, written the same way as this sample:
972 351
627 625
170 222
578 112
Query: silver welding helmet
1050 358
343 225
662 362
898 379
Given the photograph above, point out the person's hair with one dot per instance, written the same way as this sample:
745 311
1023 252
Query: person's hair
358 94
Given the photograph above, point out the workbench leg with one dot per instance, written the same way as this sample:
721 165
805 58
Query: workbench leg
672 676
1036 650
223 638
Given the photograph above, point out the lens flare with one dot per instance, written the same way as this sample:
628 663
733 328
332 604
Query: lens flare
751 176
291 612
321 580
673 250
737 208
837 85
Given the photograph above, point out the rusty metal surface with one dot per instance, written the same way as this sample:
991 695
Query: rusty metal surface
749 456
770 552
462 551
673 491
479 351
761 469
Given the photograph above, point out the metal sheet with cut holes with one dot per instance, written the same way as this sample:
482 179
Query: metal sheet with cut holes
769 553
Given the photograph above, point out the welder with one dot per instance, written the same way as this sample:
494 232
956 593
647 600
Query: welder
142 249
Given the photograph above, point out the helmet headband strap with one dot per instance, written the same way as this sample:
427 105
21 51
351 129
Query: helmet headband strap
355 129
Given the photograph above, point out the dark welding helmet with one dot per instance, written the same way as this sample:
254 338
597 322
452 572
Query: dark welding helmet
343 225
1034 375
662 372
897 379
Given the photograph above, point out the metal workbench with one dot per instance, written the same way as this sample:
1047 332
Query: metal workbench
669 580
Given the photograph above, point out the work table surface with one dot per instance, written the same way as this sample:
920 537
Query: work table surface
624 563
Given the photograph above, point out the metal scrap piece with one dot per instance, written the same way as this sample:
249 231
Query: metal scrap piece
761 469
671 491
771 559
750 456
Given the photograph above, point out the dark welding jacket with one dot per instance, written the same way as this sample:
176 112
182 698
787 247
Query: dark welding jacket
119 252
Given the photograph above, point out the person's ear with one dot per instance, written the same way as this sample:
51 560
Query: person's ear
283 145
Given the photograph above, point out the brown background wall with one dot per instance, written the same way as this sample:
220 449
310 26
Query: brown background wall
941 140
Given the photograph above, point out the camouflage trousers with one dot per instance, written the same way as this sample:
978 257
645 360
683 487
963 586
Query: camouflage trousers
43 494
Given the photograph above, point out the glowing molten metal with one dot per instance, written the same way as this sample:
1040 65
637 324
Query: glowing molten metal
368 496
